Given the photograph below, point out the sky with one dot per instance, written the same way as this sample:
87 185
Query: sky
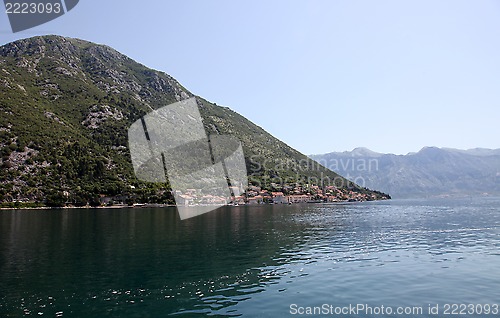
323 76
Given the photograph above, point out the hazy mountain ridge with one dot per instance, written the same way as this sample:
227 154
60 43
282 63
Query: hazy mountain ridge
430 172
66 105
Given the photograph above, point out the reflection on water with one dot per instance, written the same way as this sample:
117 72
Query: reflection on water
250 261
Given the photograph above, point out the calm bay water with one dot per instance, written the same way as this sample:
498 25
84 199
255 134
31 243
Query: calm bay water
249 261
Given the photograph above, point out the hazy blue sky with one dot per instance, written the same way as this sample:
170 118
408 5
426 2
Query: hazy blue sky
323 76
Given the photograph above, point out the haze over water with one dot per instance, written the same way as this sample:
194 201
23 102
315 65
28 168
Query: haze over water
249 261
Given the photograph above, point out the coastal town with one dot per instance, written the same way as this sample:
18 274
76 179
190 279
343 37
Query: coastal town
289 194
253 195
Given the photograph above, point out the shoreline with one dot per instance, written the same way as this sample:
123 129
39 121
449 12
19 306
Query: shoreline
88 207
173 205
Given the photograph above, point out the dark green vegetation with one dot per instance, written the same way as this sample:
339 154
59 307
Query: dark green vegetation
66 105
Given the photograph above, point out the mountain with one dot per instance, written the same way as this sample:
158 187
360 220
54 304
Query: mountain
66 105
361 152
430 172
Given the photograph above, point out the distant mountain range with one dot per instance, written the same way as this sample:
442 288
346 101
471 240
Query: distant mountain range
66 105
430 172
